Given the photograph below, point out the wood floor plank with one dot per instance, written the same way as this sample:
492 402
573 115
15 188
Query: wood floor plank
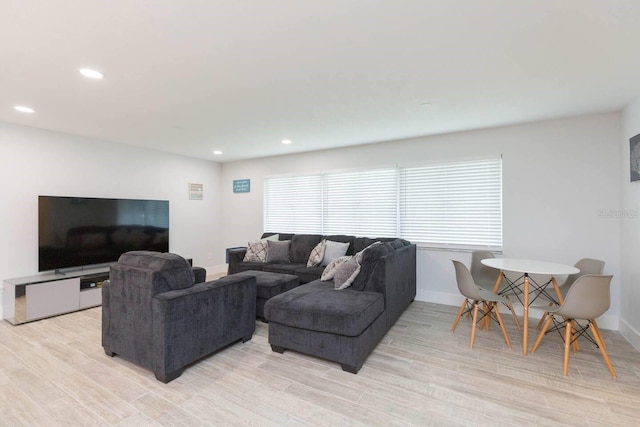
54 372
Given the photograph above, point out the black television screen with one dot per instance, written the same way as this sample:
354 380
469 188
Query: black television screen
81 231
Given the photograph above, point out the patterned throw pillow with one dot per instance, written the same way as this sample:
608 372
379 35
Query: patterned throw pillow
278 251
346 273
317 253
330 270
256 252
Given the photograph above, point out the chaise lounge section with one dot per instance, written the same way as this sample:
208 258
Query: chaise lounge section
345 325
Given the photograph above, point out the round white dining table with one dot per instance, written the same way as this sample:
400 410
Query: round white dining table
527 267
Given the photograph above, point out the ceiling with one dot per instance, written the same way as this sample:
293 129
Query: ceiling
193 76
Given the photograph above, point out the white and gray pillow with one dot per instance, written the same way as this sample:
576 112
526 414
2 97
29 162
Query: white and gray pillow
333 250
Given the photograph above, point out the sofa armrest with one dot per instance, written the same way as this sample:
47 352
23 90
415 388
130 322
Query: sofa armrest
201 319
199 275
235 255
400 281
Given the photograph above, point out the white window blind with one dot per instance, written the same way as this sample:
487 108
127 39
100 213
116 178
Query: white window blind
293 204
361 203
453 204
446 205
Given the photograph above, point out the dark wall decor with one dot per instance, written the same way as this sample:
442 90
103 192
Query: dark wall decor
634 147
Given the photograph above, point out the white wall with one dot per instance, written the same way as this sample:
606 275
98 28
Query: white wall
36 162
630 231
559 176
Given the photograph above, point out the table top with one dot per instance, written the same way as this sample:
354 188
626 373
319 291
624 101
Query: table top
530 266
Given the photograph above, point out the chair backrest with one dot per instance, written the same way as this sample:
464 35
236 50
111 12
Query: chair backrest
586 266
483 275
588 298
466 285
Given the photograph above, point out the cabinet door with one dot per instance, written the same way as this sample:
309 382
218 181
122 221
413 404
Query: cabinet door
90 297
51 298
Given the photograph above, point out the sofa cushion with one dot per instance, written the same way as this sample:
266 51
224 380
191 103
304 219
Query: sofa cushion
249 265
284 268
278 251
317 306
271 284
301 247
256 252
333 250
309 274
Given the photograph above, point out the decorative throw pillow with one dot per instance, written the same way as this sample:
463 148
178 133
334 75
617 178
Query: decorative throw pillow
274 237
330 270
346 273
317 254
278 251
256 252
333 250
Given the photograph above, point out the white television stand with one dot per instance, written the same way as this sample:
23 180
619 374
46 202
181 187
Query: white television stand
32 298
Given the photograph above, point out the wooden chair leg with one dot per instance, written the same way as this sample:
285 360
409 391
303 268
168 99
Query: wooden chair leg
596 334
513 313
575 345
542 332
486 320
567 345
462 307
473 326
504 331
544 316
595 325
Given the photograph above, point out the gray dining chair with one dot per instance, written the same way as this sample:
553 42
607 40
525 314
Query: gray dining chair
586 266
588 298
486 277
477 299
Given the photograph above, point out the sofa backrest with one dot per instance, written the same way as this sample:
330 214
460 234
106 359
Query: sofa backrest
301 247
389 268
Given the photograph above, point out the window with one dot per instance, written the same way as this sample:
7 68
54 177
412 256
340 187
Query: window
362 203
452 204
456 204
293 204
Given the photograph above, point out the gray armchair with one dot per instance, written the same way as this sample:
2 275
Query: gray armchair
155 316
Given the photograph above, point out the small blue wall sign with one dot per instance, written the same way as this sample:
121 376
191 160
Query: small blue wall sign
241 185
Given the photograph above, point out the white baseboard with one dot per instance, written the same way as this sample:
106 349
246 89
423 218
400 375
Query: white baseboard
606 321
630 334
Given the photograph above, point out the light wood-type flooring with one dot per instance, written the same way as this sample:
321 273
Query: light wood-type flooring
54 372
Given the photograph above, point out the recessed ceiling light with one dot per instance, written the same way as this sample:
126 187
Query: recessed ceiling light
217 152
286 141
24 109
426 105
92 74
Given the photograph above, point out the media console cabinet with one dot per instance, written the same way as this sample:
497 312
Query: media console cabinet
36 297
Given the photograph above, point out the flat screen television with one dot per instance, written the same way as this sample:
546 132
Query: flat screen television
83 231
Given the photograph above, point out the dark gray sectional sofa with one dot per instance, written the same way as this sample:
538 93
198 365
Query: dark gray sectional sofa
339 325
